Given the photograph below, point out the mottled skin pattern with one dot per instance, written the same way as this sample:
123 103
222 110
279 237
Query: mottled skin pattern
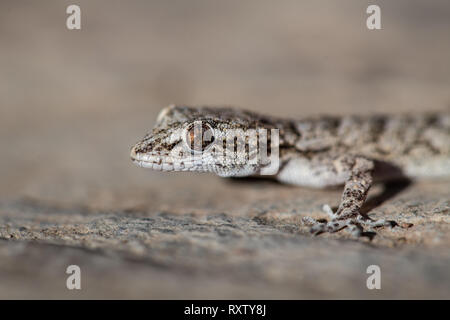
316 152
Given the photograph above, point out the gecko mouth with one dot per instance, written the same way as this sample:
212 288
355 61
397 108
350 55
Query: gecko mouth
146 160
157 162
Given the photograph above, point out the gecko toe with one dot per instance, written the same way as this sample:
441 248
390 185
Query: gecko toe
318 227
376 223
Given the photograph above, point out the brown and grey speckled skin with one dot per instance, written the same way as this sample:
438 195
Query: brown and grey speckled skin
316 152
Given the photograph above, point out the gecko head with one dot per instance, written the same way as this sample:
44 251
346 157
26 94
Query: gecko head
200 139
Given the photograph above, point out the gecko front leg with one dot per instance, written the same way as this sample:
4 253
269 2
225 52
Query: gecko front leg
355 193
355 173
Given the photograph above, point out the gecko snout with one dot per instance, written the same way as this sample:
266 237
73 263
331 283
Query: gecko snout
133 153
136 154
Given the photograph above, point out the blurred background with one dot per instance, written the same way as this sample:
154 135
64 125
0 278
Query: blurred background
73 102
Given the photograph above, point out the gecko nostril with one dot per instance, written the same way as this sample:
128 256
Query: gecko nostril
133 153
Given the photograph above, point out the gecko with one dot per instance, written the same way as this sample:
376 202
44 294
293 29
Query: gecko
354 151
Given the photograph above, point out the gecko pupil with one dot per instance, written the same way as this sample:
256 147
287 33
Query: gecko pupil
199 137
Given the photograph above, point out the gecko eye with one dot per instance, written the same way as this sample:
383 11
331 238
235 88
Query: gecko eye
199 136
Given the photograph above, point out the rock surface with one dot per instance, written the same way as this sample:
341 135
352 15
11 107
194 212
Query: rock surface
75 101
255 249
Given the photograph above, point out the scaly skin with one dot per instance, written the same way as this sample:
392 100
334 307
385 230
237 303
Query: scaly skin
315 152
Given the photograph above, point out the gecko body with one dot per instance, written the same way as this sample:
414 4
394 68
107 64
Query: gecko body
322 151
